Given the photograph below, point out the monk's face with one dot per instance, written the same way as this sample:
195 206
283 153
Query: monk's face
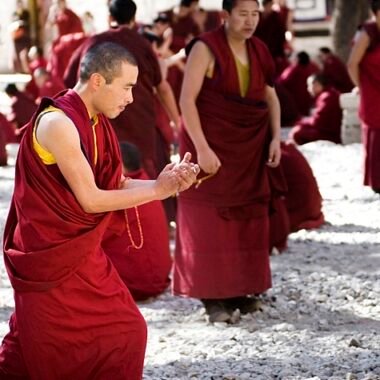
242 21
112 98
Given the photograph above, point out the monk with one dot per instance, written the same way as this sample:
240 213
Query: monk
363 66
326 119
138 124
74 317
47 84
141 253
294 79
271 30
334 70
22 106
303 199
232 125
8 130
64 19
62 51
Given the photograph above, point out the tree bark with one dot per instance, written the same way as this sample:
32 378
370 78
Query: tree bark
347 16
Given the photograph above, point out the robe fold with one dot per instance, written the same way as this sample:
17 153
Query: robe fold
324 123
369 77
145 271
74 318
223 225
137 124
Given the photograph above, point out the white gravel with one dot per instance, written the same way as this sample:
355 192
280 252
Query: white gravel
321 320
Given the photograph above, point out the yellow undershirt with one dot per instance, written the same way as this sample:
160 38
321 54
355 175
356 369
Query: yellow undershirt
46 157
243 75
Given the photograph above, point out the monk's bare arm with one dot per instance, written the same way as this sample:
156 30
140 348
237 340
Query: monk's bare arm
275 125
57 134
167 99
198 63
195 72
357 52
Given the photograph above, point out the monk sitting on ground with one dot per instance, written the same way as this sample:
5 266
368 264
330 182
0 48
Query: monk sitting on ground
141 252
325 121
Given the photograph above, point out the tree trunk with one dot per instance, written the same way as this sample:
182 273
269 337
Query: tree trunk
347 16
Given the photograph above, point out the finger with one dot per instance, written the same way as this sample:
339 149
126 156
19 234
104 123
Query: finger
186 157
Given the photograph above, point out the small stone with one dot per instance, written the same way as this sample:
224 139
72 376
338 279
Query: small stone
354 343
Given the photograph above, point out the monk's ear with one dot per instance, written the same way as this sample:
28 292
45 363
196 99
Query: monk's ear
224 15
96 80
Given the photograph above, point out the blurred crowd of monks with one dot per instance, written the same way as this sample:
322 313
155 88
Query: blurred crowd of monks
308 92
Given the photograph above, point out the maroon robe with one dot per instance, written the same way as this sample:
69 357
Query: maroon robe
23 108
74 318
336 74
8 130
223 226
145 271
3 151
68 22
184 28
62 52
51 87
271 30
294 79
324 123
303 199
369 77
137 125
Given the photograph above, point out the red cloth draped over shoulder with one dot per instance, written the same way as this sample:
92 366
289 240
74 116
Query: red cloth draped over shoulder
145 271
242 179
137 123
54 235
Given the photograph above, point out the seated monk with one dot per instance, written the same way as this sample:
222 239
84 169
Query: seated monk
141 253
325 121
303 199
22 106
47 84
335 71
294 79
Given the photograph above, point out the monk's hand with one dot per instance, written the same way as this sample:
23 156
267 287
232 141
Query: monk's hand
208 161
274 153
186 172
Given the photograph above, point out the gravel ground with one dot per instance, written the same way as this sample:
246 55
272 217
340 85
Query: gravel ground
321 320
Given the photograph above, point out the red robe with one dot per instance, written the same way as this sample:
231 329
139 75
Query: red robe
145 271
223 226
68 22
294 79
336 74
303 199
369 77
23 108
51 87
62 52
3 152
8 130
184 28
74 318
271 30
137 124
324 123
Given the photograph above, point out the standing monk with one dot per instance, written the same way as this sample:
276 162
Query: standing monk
138 124
363 66
74 318
232 125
